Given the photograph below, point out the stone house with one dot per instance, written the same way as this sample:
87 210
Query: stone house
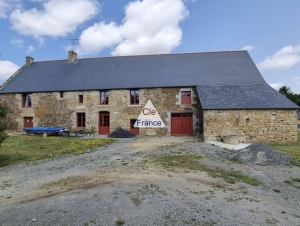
194 94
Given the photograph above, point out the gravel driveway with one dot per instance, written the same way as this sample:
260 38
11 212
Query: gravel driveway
116 185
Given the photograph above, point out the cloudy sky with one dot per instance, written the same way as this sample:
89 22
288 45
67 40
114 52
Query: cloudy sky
268 29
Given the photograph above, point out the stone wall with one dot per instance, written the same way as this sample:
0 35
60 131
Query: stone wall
14 114
49 109
267 125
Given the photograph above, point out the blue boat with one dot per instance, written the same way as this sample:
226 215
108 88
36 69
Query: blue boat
44 130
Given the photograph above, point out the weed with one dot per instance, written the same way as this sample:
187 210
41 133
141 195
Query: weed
296 179
288 181
235 160
276 190
219 186
120 222
63 182
136 200
295 162
189 162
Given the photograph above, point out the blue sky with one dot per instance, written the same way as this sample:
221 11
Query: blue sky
268 29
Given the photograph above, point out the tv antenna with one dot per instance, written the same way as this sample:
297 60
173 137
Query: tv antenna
73 41
5 61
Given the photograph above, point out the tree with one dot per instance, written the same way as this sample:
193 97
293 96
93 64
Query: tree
288 92
4 121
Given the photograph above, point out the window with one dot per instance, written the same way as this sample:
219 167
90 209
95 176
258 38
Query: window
186 97
104 97
80 99
61 94
134 96
80 119
27 100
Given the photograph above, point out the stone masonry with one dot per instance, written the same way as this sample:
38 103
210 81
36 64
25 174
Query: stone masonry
265 125
49 109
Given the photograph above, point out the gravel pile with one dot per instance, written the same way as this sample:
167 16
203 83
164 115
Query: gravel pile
261 154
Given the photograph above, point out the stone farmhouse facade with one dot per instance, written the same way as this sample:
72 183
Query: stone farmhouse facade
194 94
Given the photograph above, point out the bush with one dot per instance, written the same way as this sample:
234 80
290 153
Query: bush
5 121
121 133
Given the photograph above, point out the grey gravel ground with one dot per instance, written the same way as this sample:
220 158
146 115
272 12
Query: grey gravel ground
261 154
115 184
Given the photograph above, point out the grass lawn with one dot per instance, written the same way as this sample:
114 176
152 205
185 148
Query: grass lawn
16 149
292 149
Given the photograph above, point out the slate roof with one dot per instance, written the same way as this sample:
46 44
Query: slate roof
242 97
205 70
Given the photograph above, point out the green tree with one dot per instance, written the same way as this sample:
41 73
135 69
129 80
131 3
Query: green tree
288 92
5 122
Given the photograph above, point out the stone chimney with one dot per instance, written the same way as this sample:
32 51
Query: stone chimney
29 60
72 55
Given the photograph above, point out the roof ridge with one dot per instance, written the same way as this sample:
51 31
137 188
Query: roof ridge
158 54
245 84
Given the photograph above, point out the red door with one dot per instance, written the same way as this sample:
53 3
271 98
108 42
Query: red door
28 121
181 124
104 122
134 130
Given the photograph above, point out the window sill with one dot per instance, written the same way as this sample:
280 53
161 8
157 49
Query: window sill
103 105
134 105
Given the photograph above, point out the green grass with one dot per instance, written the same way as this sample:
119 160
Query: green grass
171 162
120 222
17 149
296 179
292 149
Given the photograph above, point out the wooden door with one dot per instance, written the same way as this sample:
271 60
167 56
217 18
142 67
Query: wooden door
104 122
134 130
28 122
181 124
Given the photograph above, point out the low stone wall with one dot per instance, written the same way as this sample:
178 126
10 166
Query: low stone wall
266 125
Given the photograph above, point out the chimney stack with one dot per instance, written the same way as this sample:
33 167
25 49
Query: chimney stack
29 60
72 55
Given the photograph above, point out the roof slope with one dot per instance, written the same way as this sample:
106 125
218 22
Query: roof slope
219 76
166 70
242 97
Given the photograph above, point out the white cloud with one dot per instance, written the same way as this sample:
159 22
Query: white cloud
18 43
99 36
276 86
146 29
7 69
248 48
7 5
283 59
30 49
58 18
296 80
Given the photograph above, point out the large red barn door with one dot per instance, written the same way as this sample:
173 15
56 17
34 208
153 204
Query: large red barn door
181 124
